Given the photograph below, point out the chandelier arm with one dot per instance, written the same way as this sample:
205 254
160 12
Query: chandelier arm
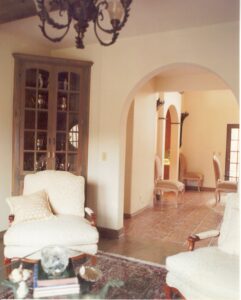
126 4
56 39
114 36
99 17
44 16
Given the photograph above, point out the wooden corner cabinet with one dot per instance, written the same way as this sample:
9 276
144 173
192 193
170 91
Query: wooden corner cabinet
50 116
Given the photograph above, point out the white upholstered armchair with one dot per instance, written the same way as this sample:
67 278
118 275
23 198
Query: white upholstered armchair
50 212
209 273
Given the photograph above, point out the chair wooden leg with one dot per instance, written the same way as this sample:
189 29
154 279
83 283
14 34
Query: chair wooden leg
216 197
8 267
6 261
169 292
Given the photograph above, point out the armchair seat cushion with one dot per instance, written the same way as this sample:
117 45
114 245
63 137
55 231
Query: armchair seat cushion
223 184
209 269
63 230
170 184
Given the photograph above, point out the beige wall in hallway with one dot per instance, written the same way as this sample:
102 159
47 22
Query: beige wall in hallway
128 161
142 146
204 130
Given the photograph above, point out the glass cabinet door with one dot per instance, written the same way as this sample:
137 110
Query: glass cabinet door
35 125
67 122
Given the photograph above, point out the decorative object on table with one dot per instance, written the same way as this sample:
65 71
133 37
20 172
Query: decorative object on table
17 281
58 290
41 278
20 274
45 284
54 260
91 274
109 17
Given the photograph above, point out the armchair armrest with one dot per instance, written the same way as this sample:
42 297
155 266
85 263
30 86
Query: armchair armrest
10 219
192 239
91 216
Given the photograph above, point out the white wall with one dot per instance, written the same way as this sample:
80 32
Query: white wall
205 129
143 150
128 64
117 74
9 45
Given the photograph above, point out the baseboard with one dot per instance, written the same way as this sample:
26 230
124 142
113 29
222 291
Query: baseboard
110 233
208 189
203 188
129 215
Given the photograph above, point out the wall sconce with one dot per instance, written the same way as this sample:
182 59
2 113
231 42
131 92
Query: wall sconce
159 102
183 117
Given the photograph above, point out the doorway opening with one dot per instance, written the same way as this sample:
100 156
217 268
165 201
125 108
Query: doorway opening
202 95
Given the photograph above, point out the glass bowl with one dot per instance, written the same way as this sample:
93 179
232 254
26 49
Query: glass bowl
54 260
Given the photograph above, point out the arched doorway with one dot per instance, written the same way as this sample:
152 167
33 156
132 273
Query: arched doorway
183 71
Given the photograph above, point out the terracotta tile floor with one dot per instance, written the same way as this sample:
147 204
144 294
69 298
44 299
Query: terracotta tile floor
162 230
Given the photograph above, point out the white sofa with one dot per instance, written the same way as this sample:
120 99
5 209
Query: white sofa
209 273
50 212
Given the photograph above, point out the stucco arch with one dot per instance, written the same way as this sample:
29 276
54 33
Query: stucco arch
158 71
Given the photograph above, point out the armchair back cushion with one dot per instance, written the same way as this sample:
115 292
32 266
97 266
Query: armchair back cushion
65 190
217 168
229 239
158 168
30 207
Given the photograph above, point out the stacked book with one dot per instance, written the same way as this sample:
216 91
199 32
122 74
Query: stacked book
45 286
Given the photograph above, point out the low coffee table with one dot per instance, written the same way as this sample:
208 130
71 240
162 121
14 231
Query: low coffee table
78 259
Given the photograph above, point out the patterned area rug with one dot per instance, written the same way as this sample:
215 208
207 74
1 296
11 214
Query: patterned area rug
142 280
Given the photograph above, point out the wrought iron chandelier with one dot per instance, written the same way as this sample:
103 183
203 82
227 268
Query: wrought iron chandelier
108 16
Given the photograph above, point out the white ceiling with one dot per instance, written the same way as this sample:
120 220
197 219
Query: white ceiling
146 17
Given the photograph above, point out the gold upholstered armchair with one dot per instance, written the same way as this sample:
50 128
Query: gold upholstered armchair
222 186
186 175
